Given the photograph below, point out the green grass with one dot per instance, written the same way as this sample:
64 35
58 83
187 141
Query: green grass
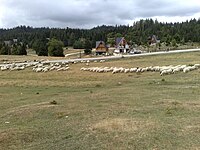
102 111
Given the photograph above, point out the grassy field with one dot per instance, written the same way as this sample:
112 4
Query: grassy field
102 111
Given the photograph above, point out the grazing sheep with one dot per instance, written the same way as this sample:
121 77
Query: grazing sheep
133 70
101 61
83 61
38 69
166 72
46 69
144 69
185 70
52 68
3 68
138 70
176 70
100 70
107 69
197 65
126 70
116 70
61 69
19 68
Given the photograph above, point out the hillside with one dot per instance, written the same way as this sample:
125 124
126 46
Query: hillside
138 33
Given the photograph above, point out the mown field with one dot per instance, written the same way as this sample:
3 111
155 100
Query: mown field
101 110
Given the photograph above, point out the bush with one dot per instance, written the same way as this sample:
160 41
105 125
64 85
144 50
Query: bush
87 51
5 50
55 47
78 44
40 46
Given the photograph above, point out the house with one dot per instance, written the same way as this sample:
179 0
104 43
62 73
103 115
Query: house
153 40
121 45
101 47
8 43
15 40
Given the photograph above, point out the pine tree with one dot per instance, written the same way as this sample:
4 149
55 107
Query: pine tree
88 47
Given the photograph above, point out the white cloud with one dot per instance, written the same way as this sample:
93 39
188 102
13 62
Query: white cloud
89 13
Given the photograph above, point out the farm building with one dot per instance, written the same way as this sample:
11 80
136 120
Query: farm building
153 40
121 45
10 42
101 47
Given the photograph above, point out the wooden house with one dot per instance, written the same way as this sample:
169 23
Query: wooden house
153 40
122 45
101 47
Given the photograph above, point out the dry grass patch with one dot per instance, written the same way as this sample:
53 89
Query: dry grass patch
17 58
12 138
6 135
193 127
27 110
123 125
183 104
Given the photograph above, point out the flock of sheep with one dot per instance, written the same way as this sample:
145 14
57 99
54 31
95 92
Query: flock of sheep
42 66
39 66
36 67
164 70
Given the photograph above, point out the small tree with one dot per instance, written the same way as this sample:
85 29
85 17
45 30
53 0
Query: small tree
1 45
40 46
5 50
111 41
55 47
177 38
183 41
19 49
174 44
78 44
14 49
88 47
168 40
22 49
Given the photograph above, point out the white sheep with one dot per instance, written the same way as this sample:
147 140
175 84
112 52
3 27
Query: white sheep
166 72
38 69
101 61
138 70
133 70
197 65
126 70
61 69
116 70
3 68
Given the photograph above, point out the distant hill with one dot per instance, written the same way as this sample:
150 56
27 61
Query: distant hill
138 33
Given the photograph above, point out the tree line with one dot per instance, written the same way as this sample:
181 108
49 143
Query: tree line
138 33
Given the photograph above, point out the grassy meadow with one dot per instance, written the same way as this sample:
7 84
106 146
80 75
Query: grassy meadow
101 110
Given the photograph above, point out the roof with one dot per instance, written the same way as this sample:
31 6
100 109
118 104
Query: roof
118 40
154 37
8 43
100 42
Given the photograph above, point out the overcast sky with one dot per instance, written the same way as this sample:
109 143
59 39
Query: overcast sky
90 13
